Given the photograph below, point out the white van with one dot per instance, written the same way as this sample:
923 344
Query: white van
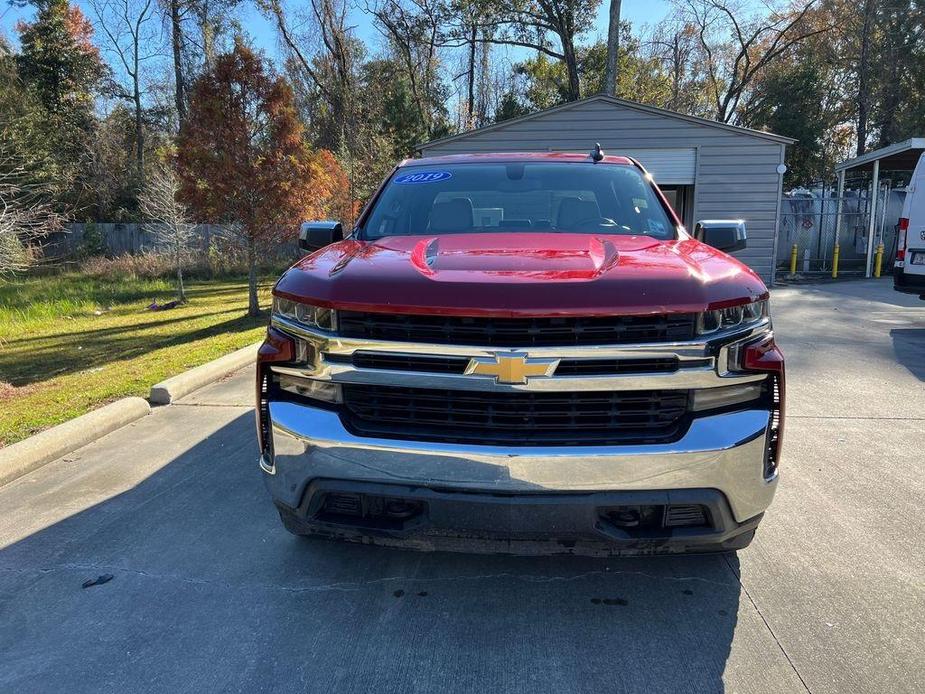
909 267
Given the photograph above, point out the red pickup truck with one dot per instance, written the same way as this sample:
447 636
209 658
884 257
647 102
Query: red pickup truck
522 353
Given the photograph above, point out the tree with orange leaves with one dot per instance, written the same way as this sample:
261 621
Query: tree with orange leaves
332 194
242 158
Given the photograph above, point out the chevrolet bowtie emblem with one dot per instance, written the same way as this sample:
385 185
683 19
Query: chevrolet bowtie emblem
511 367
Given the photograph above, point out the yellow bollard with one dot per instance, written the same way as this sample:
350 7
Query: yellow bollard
835 251
878 259
793 260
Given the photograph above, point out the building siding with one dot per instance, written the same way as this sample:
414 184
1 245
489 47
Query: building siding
676 166
736 173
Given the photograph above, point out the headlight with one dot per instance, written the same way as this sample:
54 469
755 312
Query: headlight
305 314
739 316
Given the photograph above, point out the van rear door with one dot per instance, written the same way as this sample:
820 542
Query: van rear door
912 222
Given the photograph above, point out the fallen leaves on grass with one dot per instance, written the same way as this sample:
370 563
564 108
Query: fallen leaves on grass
8 391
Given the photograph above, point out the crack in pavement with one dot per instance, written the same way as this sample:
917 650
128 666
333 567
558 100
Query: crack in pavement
858 417
767 625
353 586
210 404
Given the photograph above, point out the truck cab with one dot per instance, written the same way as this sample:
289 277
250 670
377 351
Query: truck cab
522 353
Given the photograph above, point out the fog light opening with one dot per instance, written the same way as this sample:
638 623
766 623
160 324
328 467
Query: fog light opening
725 396
324 391
685 516
366 510
656 520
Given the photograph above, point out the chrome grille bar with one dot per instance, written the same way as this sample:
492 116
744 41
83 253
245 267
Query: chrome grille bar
696 365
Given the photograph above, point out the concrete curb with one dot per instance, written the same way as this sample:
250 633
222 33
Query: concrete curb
20 458
176 387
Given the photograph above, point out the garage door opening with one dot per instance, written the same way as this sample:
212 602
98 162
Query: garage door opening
682 200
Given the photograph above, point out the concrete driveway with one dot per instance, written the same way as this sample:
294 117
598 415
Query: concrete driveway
209 593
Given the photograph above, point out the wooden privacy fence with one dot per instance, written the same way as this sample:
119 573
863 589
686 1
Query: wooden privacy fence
114 238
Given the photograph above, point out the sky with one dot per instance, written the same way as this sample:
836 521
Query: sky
638 12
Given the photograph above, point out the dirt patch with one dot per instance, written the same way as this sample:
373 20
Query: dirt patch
8 391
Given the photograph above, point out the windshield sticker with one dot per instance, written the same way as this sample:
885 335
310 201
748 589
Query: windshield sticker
655 226
422 177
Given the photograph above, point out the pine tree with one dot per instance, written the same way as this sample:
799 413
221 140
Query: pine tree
61 68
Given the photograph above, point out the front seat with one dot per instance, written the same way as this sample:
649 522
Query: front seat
574 210
451 216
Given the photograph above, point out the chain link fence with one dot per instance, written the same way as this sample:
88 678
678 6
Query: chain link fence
810 221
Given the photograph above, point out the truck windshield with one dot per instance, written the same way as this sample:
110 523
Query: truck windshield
516 197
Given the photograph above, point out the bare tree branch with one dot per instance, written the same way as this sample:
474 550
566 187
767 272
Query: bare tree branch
167 218
736 51
26 216
135 37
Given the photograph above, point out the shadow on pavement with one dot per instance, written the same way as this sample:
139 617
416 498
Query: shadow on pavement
210 593
876 290
909 345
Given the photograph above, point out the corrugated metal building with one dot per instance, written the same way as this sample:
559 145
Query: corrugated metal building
708 170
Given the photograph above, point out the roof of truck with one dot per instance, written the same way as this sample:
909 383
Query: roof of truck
501 157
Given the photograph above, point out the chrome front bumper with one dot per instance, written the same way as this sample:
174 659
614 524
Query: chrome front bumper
725 452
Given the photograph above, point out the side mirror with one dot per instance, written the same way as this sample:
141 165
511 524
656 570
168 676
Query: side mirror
315 235
725 234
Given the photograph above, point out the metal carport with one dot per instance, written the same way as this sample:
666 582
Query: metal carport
902 156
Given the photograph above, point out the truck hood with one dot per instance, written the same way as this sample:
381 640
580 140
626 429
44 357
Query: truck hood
521 274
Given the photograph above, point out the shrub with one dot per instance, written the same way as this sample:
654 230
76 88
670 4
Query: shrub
92 242
228 261
143 265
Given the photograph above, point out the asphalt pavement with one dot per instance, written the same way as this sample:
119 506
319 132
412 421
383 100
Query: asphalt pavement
209 593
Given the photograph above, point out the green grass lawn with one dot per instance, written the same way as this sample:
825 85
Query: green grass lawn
69 343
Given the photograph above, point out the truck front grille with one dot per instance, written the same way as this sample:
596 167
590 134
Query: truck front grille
516 418
518 332
567 367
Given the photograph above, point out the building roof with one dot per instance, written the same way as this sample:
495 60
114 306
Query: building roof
901 156
632 105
